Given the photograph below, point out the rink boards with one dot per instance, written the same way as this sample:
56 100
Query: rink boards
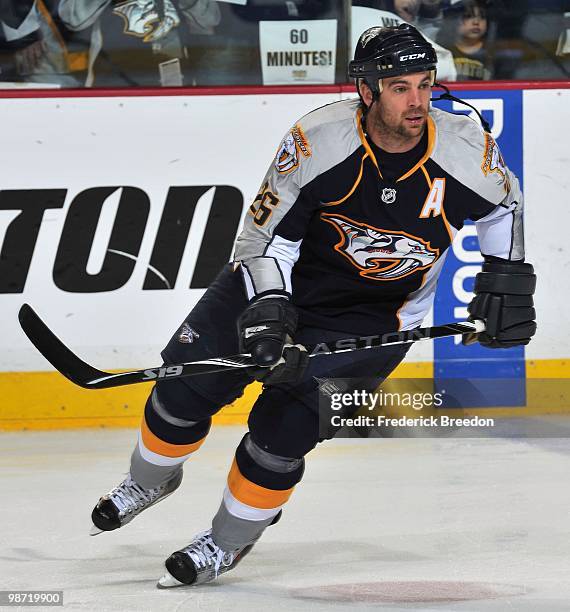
116 211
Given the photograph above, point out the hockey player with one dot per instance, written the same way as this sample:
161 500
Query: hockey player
347 235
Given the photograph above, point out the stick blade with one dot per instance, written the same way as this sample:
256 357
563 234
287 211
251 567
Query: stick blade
52 348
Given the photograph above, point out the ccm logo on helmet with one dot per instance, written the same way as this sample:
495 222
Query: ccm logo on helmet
412 56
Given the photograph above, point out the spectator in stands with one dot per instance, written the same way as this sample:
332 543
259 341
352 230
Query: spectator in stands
20 43
31 46
426 15
139 42
430 17
464 33
539 41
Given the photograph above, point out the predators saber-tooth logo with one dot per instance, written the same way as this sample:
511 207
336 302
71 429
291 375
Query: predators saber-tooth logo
379 254
144 20
293 144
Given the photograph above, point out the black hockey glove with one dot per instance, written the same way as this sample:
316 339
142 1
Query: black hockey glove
503 300
266 328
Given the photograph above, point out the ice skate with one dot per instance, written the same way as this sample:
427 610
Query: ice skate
127 500
199 562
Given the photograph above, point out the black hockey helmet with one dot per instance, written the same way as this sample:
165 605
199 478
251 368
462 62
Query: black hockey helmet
391 51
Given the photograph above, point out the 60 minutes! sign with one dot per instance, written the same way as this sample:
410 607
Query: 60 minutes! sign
70 267
298 51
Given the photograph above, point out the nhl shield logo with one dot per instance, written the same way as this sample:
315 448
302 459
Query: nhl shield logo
388 195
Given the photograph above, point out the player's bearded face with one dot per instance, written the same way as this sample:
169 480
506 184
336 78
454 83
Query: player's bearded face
402 108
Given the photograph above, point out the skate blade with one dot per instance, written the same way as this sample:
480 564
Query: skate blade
95 531
168 581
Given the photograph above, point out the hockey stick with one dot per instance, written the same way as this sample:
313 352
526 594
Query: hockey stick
85 375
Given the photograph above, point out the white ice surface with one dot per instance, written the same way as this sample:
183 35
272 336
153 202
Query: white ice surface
408 524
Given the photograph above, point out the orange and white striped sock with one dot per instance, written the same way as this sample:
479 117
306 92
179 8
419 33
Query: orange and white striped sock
154 461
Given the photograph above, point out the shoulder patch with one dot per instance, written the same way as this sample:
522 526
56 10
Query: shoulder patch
493 162
292 146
